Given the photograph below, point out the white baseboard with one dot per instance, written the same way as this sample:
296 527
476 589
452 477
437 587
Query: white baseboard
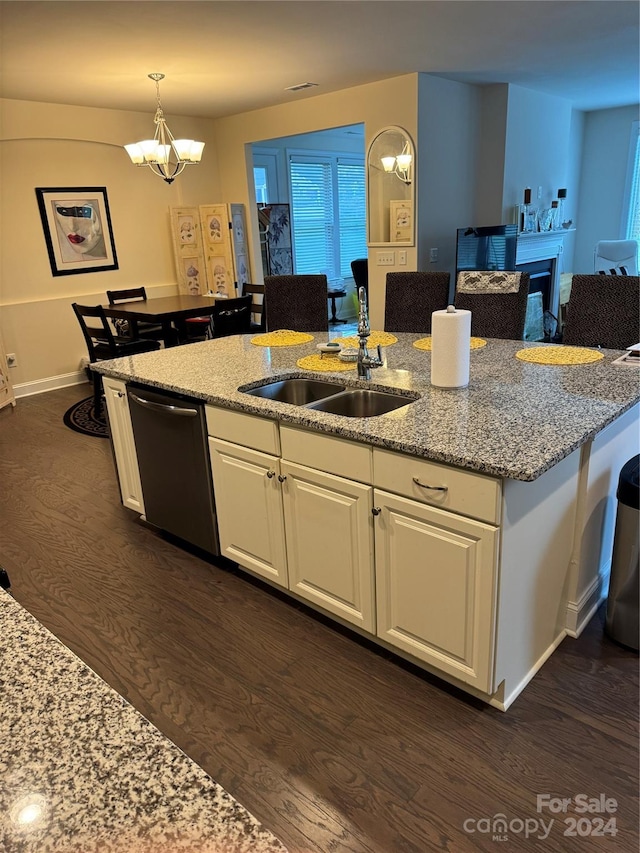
513 694
39 386
580 612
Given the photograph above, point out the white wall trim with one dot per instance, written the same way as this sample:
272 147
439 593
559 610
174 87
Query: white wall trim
506 701
580 612
39 386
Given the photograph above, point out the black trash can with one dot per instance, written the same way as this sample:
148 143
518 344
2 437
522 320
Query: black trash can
622 604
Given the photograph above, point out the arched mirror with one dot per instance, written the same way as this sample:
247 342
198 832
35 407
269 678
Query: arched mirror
390 188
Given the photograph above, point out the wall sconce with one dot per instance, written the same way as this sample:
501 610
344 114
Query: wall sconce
400 165
165 155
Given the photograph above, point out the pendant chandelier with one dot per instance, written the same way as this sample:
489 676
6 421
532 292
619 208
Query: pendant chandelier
165 155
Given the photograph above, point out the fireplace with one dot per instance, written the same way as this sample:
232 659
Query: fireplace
500 247
541 275
539 255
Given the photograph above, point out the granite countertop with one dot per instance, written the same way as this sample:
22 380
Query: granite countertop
82 771
514 420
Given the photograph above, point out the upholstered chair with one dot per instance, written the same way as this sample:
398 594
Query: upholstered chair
497 300
603 311
297 302
411 298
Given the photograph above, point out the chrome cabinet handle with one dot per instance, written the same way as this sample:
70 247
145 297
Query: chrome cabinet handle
282 477
376 510
271 474
432 488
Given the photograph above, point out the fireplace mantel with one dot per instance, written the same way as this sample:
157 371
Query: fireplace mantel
543 246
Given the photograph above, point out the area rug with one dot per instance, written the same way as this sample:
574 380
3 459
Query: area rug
81 417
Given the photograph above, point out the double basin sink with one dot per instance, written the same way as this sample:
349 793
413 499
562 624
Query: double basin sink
331 397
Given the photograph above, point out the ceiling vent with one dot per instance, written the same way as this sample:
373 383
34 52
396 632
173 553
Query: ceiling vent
299 86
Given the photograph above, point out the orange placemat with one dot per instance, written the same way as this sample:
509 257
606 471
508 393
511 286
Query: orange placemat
282 338
383 339
324 363
425 343
554 354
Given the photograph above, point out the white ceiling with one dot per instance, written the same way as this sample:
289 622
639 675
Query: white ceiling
223 58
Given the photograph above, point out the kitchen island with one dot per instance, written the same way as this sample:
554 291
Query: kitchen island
469 531
83 771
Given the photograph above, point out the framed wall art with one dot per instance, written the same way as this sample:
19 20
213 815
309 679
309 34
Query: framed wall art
401 221
77 229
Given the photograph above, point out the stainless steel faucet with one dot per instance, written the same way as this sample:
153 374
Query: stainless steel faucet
365 360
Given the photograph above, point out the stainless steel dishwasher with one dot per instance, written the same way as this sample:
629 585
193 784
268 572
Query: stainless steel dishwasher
171 444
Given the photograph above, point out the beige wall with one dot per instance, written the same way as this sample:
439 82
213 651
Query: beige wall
377 105
44 145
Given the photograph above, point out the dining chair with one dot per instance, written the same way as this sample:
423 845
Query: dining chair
616 257
411 298
103 344
497 300
296 302
360 272
232 316
603 311
134 328
257 306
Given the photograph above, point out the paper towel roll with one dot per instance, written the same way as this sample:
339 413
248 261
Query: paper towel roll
450 344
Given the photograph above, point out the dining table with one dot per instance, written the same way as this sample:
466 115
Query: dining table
170 312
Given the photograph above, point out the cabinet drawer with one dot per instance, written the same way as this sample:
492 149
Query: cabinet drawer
468 493
241 428
326 453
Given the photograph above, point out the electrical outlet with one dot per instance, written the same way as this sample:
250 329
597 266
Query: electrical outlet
433 256
12 361
402 257
385 259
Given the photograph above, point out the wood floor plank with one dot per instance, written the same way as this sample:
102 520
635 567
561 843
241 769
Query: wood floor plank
335 745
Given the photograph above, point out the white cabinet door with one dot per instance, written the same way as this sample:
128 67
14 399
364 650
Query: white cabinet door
436 587
249 508
329 535
124 448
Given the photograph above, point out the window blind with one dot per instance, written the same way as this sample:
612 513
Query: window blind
327 213
312 216
633 213
351 211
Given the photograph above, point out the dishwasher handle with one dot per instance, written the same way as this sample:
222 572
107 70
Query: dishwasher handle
163 407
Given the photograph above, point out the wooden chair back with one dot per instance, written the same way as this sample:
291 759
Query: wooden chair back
136 328
102 343
115 296
258 314
232 316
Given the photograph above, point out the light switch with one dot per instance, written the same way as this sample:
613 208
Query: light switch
402 257
385 259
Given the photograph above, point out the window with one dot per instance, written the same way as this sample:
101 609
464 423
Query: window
260 181
631 210
328 213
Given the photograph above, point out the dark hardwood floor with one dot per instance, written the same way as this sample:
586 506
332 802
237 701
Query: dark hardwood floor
335 746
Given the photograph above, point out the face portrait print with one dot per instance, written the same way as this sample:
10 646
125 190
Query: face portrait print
79 230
